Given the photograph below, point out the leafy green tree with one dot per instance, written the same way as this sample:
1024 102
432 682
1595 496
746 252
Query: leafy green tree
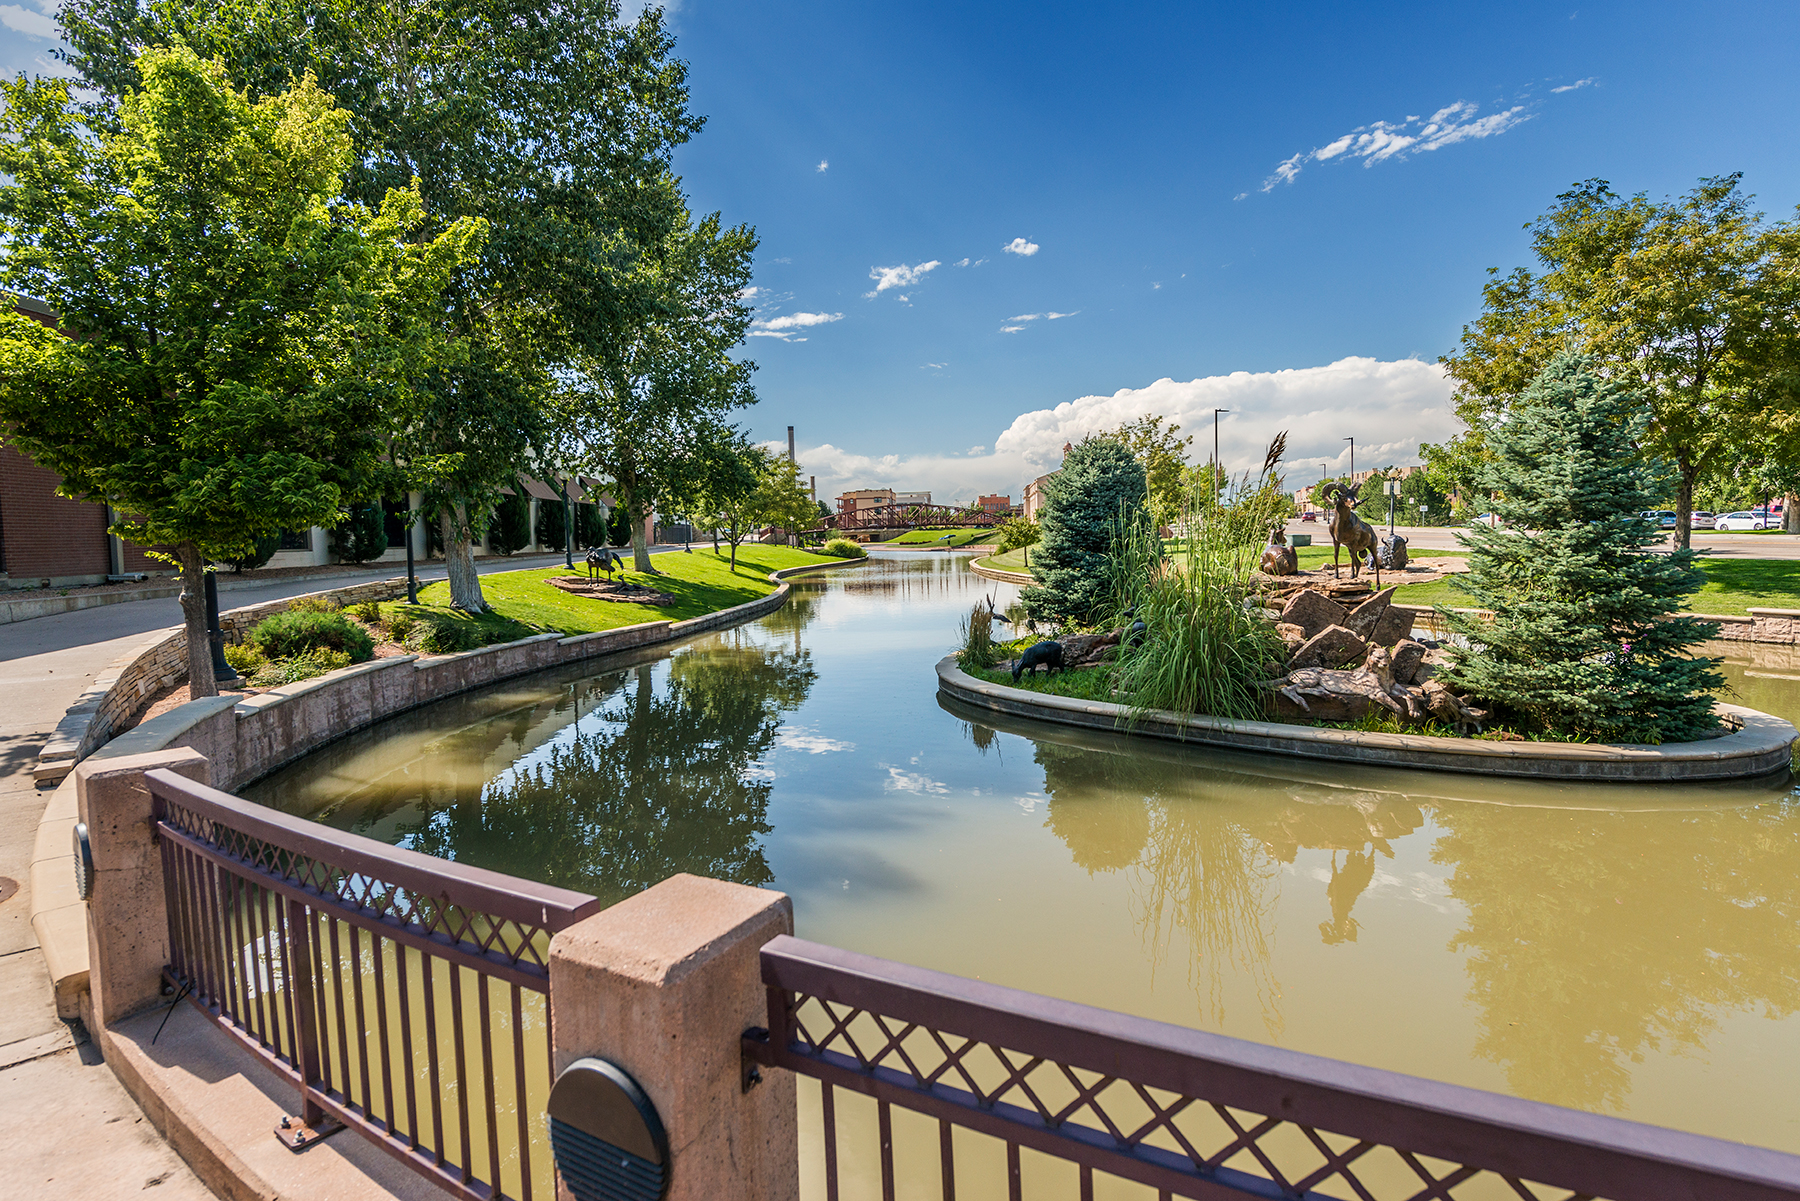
234 337
1016 532
1100 485
1422 491
554 124
1581 641
362 536
1692 301
1164 457
727 498
650 412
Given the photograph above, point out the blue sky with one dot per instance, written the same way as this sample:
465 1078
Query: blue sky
1138 150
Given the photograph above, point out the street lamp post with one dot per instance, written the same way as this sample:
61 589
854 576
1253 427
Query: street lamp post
412 582
1352 442
1216 412
223 675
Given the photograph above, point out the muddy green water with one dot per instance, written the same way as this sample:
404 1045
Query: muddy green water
1627 950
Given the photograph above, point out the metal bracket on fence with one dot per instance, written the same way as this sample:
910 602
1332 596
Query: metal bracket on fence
297 1135
753 1051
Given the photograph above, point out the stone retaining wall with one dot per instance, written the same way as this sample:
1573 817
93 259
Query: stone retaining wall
128 683
247 738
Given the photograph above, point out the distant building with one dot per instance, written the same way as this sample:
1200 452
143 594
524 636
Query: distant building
1034 495
994 504
912 498
864 498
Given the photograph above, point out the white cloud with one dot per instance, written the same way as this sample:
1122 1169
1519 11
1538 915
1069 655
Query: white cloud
823 166
802 738
785 327
1570 87
933 366
975 450
1060 316
964 262
1020 246
898 277
900 780
1026 317
1386 140
1011 329
1389 406
26 21
749 293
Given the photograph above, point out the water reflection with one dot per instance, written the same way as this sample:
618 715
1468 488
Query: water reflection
1616 948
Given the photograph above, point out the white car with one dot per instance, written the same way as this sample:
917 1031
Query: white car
1702 520
1491 520
1748 519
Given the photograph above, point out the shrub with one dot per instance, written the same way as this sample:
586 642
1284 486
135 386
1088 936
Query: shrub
362 536
246 660
440 634
510 530
843 548
368 612
297 631
1100 483
551 522
261 553
400 623
303 666
313 604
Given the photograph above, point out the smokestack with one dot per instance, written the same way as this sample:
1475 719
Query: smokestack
790 444
815 486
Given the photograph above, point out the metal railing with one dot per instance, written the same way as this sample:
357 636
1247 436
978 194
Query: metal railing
405 996
1072 1092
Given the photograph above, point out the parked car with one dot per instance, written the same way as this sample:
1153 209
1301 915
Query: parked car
1663 517
1748 519
1702 520
1491 520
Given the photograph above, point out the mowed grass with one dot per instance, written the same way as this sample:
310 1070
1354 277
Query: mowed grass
1012 560
937 537
701 582
1733 587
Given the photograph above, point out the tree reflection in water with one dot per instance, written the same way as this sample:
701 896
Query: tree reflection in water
650 784
1596 937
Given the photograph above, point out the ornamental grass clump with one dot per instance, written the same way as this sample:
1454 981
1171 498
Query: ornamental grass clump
1582 642
978 650
1206 645
843 548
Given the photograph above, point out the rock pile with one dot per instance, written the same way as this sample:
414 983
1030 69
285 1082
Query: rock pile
1344 664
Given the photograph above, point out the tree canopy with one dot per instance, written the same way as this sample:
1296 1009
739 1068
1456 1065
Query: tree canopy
1693 301
233 333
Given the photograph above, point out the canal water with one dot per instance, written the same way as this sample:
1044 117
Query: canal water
1625 950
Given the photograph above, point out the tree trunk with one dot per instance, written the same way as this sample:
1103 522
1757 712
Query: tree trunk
1684 502
640 550
193 616
735 539
459 561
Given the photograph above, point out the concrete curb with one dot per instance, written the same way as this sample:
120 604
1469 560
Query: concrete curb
50 606
1762 747
249 738
995 573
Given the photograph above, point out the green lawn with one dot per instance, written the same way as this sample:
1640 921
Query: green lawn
701 582
1012 560
957 537
1733 586
1087 683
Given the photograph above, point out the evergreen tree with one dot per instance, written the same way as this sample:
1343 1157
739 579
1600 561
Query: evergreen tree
363 535
1099 483
1580 642
551 522
511 528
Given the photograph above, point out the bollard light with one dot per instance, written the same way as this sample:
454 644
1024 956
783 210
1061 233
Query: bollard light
608 1142
223 674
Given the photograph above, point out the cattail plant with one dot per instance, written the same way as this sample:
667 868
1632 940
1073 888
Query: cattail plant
977 650
1206 642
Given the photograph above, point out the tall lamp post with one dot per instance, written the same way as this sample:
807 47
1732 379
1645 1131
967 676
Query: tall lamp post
412 582
1352 442
223 675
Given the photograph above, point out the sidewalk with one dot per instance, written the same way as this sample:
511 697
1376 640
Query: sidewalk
67 1127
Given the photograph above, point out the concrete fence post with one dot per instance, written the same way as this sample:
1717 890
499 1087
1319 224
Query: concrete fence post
127 914
663 985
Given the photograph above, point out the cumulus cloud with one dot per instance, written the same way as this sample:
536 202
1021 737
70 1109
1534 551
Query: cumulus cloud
898 277
786 327
1570 87
1386 140
823 166
27 21
1391 407
1020 246
962 262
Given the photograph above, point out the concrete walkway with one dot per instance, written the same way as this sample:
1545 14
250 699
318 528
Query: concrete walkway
67 1127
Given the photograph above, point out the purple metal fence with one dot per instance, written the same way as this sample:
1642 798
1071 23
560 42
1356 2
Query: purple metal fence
1187 1113
403 995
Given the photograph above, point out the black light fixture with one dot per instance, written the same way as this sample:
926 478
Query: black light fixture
609 1143
223 674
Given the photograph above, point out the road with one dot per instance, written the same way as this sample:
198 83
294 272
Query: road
1706 542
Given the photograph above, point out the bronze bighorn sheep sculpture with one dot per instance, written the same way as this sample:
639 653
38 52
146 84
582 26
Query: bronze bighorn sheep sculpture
1348 530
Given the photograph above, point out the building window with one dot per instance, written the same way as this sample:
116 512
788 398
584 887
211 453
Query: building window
296 540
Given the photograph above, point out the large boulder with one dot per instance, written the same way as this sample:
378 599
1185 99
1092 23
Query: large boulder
1087 650
1395 625
1429 666
1291 634
1312 612
1363 619
1408 655
1332 647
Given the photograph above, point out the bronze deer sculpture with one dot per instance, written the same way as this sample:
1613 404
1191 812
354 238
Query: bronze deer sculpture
1348 530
